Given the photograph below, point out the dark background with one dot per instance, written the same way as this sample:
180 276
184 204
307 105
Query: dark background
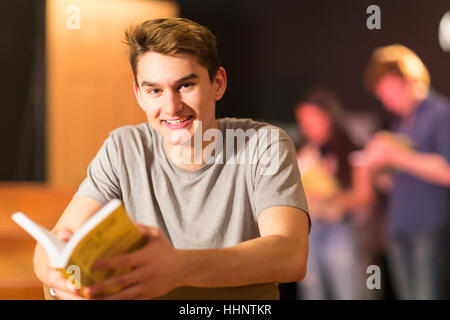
22 90
273 51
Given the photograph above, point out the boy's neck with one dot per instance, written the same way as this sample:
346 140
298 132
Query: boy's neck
189 157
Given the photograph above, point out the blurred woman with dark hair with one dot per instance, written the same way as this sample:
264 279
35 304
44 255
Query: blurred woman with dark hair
334 190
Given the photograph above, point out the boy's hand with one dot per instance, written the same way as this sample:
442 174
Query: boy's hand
156 269
61 286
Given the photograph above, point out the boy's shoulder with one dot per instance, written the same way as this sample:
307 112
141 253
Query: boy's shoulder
141 130
129 130
131 136
261 127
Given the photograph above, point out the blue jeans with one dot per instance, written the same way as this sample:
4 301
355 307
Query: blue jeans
418 263
332 270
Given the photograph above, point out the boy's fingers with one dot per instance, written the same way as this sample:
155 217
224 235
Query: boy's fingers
65 295
61 286
149 231
64 234
57 281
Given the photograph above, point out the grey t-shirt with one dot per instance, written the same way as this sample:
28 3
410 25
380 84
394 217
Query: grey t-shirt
212 207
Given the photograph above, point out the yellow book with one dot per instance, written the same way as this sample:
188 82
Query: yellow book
109 232
319 182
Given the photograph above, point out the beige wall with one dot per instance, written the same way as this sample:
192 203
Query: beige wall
89 80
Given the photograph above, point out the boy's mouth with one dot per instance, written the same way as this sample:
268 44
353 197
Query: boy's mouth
178 123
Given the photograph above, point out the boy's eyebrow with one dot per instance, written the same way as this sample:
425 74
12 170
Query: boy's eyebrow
189 77
154 84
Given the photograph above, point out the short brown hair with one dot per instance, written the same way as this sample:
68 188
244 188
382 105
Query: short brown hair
170 36
398 60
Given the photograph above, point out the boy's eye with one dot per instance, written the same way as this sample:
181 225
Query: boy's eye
186 85
154 91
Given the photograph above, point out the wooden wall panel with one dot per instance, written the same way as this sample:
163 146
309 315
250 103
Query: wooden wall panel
89 80
44 205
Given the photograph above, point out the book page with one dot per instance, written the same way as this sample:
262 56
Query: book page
52 245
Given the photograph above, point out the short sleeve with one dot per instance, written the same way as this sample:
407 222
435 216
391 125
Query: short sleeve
101 182
277 177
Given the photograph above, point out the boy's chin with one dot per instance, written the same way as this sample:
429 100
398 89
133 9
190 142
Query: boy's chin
179 138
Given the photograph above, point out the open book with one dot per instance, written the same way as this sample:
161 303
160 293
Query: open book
107 233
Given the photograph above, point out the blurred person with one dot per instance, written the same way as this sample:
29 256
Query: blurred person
334 191
411 162
215 230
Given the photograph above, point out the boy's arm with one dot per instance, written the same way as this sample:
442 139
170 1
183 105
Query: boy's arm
79 210
279 255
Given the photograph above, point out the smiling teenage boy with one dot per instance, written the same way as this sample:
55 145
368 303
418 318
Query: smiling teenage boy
215 229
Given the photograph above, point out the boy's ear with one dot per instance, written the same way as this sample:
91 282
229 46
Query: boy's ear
220 83
137 93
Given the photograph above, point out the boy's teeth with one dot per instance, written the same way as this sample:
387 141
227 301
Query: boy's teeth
177 121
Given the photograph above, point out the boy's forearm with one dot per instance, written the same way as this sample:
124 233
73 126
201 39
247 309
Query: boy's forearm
432 168
40 262
78 211
262 260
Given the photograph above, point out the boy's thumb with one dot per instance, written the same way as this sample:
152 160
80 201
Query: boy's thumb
64 234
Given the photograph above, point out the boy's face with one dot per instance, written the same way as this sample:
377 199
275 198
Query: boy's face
394 93
175 90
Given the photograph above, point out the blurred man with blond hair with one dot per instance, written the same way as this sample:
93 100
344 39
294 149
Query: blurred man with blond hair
416 153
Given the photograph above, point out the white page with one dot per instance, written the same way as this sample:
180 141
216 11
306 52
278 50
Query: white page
52 245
